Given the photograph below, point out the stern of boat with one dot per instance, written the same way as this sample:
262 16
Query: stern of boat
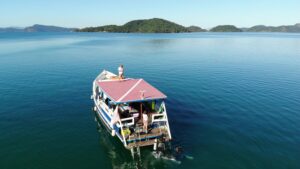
158 130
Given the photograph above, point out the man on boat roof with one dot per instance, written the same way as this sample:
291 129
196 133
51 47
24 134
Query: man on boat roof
121 72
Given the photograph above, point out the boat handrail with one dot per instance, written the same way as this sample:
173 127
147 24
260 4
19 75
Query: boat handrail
127 125
167 120
127 121
122 133
158 117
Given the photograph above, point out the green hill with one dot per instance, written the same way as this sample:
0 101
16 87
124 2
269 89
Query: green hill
195 29
154 25
225 28
263 28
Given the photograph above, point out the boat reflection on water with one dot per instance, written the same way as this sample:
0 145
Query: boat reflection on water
119 157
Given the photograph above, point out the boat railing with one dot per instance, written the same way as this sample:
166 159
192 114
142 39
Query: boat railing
158 117
127 121
122 133
167 121
102 75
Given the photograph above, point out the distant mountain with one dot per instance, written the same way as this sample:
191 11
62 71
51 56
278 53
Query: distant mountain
154 25
37 28
45 28
195 29
263 28
11 29
225 28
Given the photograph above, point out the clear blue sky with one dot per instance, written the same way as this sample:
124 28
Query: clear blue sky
204 13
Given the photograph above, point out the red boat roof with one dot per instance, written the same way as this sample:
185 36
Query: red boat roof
130 90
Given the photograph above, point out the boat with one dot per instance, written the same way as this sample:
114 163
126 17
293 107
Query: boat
123 105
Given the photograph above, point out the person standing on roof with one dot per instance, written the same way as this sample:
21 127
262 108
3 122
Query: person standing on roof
121 72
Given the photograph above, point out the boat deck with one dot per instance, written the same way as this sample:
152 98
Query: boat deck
145 139
140 144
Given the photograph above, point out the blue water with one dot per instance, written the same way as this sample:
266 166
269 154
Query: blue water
233 98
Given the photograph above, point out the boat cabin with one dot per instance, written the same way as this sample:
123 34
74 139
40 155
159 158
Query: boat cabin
132 109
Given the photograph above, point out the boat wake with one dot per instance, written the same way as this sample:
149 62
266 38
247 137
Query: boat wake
175 155
160 155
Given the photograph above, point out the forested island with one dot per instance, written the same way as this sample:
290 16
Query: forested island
154 25
285 28
225 28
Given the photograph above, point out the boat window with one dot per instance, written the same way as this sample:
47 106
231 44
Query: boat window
106 100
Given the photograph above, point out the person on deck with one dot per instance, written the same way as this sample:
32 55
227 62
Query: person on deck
121 72
145 122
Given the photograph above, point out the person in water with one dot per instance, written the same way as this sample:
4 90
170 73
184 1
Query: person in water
180 154
121 72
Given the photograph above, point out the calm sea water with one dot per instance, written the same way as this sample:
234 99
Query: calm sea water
233 98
